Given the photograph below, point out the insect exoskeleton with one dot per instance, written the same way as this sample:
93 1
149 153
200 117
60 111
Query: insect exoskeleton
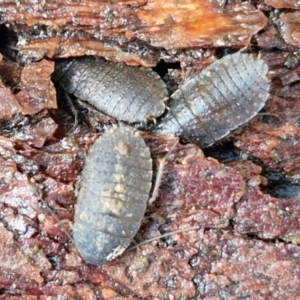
130 94
112 194
218 100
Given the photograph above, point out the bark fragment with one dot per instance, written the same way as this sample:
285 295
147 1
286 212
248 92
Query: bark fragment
136 32
294 4
291 25
37 91
27 89
8 103
267 217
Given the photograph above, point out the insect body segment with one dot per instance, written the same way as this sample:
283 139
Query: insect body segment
218 100
129 94
112 194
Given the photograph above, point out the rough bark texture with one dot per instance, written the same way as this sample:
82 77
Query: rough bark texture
241 242
284 3
290 29
137 32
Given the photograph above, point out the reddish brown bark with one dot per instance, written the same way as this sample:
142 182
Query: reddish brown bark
291 31
242 242
136 32
284 3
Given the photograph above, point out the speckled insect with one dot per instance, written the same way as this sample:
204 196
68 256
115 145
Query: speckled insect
218 100
112 194
129 94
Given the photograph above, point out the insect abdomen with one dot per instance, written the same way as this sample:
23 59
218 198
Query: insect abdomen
112 194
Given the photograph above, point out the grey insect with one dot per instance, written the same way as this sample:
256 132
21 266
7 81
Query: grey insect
112 194
218 100
129 94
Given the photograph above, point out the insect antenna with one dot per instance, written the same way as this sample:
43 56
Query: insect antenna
59 222
162 236
159 174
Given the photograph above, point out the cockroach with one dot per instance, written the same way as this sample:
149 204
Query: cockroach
112 194
129 94
217 100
